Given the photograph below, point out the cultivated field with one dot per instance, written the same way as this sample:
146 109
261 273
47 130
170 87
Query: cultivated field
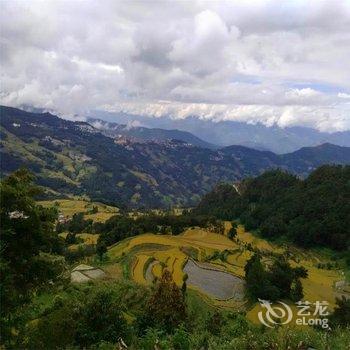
215 264
68 207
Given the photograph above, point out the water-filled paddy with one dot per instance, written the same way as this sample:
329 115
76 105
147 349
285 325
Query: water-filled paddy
218 284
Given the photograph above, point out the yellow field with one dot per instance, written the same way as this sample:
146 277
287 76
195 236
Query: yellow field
149 254
157 270
138 269
319 284
169 250
68 207
172 252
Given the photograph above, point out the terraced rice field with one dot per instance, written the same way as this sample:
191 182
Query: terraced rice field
68 207
196 250
171 252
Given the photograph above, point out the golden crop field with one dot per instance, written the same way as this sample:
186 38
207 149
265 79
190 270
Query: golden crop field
68 207
149 254
152 253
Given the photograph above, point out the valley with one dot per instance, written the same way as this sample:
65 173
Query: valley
174 175
197 276
175 236
211 262
76 159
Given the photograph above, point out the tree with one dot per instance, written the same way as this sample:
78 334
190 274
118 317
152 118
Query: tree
300 272
101 249
27 230
81 320
274 226
176 230
184 284
257 279
101 319
296 292
71 238
280 281
309 212
94 209
341 314
166 307
281 275
79 224
232 233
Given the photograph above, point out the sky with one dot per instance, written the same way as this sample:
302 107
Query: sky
277 62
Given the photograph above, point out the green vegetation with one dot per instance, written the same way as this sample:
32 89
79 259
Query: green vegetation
232 233
119 227
96 316
280 281
76 225
311 212
341 314
74 159
29 246
42 310
166 308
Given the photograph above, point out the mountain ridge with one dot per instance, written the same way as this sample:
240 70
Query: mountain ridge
228 132
74 158
141 133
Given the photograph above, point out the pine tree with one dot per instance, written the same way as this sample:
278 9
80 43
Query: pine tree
101 249
166 306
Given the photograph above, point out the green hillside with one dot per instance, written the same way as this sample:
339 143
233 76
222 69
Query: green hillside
311 213
73 158
155 280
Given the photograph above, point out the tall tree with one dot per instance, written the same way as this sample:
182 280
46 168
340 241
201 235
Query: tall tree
166 307
297 292
101 249
27 230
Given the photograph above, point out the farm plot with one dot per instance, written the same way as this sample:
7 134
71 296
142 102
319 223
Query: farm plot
218 284
152 253
215 264
68 207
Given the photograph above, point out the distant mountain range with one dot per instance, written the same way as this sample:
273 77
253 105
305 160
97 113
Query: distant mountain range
77 158
226 133
140 134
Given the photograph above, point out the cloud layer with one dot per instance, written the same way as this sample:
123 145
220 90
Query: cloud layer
284 63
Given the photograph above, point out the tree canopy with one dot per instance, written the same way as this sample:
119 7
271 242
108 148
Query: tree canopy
310 212
28 241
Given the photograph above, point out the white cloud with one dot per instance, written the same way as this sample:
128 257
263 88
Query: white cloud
284 63
343 95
